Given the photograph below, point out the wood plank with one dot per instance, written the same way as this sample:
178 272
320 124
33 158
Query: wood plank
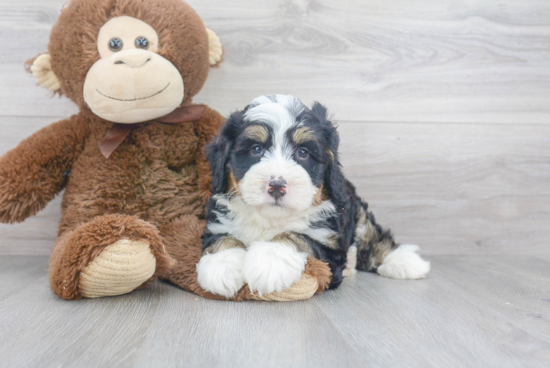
466 313
38 328
510 291
20 272
444 119
35 236
375 61
452 189
161 326
191 331
471 311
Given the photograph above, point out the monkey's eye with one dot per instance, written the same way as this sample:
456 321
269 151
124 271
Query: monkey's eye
115 44
257 150
142 43
302 153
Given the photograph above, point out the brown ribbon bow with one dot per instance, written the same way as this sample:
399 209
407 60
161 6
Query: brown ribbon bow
116 135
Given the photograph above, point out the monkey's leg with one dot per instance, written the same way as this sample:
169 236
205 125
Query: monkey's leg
110 255
182 238
315 279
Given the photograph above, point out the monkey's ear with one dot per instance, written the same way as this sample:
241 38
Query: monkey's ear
215 49
41 69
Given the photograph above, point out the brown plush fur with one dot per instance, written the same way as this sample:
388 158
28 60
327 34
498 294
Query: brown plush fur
153 187
182 38
157 175
319 270
74 249
33 173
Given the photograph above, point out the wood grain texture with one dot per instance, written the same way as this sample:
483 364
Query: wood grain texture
456 189
444 118
444 61
472 311
479 190
490 311
443 107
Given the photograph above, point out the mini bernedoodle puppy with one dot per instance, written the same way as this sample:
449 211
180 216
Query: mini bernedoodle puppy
279 196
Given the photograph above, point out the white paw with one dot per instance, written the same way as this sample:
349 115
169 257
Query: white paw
220 273
404 263
271 266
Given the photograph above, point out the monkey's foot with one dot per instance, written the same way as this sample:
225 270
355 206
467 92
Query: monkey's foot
303 289
120 268
110 255
315 279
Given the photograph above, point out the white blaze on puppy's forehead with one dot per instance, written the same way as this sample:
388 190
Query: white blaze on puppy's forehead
291 103
281 113
278 111
274 115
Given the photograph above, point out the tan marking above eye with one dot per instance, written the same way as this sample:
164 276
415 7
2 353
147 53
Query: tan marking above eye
256 132
303 134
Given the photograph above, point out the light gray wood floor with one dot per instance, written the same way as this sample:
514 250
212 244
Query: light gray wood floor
487 311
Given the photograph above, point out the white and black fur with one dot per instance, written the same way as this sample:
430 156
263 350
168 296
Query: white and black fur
279 196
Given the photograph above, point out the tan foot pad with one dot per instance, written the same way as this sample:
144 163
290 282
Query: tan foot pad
301 290
120 268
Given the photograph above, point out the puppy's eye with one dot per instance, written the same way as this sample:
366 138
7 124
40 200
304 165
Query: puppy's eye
142 43
257 150
115 44
302 153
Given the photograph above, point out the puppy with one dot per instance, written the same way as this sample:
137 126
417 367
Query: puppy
279 196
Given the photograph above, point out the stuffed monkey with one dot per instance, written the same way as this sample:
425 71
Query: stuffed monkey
131 161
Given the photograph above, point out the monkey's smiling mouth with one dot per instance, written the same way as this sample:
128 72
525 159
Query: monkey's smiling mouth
135 99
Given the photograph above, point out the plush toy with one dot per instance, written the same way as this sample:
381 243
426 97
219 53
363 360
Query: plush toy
131 161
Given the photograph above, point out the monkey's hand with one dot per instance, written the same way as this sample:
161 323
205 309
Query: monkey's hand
35 171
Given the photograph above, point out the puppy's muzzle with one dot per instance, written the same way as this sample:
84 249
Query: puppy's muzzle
277 188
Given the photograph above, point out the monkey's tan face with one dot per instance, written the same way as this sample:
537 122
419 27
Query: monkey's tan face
131 83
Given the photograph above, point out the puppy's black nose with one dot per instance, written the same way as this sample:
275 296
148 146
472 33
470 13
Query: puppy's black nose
277 188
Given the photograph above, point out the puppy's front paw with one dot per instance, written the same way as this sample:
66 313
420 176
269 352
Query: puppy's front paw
220 273
272 266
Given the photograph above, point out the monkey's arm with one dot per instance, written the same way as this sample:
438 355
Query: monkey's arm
35 171
206 128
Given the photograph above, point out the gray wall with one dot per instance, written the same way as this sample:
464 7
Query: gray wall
443 106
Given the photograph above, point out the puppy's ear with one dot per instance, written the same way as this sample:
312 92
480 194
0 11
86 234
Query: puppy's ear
218 155
334 177
219 151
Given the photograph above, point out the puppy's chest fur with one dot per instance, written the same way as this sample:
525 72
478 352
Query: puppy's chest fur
234 217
